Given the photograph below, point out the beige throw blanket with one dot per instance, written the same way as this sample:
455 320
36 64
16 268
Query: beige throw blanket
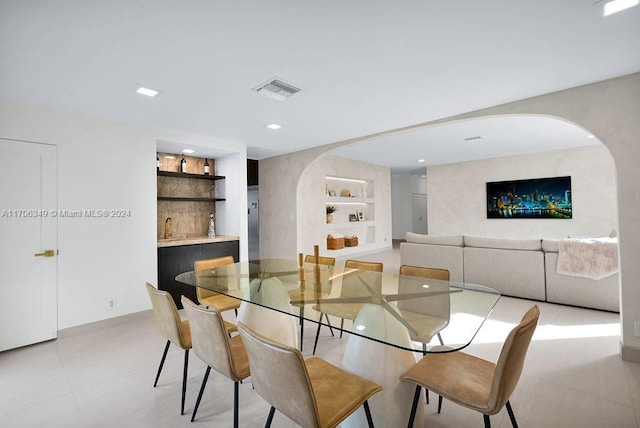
589 258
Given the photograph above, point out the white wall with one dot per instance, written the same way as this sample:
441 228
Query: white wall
110 165
402 216
311 213
231 214
593 186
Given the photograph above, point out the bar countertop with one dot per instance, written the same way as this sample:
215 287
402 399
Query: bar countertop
178 241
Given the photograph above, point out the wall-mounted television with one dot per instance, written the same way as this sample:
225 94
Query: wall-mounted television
535 198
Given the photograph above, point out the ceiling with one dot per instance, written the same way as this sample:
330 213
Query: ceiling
364 67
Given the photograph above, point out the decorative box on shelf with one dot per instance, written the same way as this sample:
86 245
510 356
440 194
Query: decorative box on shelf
351 241
335 243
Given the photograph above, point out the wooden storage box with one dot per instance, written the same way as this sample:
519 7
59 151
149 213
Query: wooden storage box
351 241
334 243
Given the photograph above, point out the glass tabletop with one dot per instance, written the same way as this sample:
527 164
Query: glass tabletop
403 311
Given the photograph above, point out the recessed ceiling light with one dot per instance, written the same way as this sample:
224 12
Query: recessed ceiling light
142 90
617 6
188 151
591 136
421 160
274 126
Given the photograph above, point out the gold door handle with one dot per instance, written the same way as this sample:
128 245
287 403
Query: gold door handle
46 253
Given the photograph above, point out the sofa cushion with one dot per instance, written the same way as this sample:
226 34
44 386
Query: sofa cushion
453 240
550 245
448 257
505 244
513 273
571 290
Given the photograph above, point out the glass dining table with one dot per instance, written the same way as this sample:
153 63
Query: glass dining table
385 315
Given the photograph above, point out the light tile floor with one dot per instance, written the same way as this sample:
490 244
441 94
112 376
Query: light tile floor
101 375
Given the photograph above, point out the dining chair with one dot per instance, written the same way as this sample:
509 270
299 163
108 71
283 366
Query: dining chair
209 298
473 382
213 345
351 287
430 313
173 328
426 315
310 258
312 393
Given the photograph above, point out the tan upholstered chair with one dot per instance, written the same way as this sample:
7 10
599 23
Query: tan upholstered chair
312 393
473 382
351 287
428 315
175 330
209 298
322 260
213 345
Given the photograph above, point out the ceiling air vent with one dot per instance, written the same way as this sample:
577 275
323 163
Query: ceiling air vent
277 89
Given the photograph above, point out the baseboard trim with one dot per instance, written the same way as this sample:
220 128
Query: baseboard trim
630 354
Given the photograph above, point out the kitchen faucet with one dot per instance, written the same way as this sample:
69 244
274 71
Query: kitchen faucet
168 223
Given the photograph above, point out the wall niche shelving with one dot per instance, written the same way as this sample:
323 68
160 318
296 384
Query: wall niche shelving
354 200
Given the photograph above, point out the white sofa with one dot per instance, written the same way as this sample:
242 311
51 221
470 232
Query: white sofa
515 267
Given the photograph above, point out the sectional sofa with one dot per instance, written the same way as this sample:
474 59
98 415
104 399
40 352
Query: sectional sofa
515 267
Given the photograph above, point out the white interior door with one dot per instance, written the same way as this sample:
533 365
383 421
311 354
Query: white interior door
28 242
419 214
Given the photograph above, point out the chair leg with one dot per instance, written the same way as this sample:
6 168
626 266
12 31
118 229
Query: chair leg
487 421
270 417
301 326
439 403
511 415
204 383
329 324
315 343
236 393
368 413
341 326
184 379
164 355
414 406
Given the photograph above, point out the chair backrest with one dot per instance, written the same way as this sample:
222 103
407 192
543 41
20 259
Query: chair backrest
437 305
362 265
358 283
511 360
210 338
167 318
424 272
322 260
279 375
206 265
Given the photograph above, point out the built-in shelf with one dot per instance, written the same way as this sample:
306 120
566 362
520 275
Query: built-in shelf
181 199
344 200
350 250
350 225
359 202
187 175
